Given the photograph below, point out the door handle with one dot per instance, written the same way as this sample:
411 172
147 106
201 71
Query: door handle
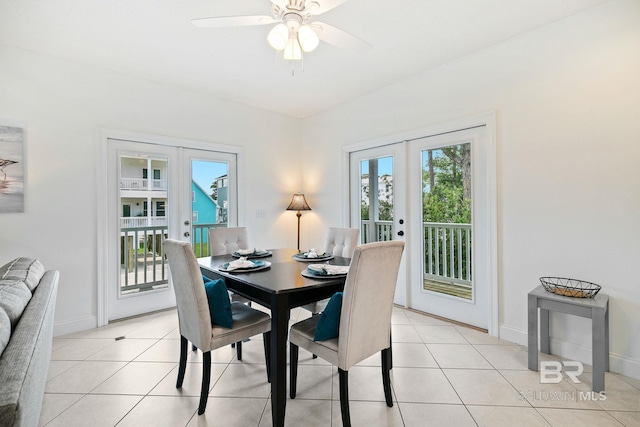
400 233
187 234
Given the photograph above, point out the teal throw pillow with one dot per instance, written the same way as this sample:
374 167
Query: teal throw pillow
219 304
329 323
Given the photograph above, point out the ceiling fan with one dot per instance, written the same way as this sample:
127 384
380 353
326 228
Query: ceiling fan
296 31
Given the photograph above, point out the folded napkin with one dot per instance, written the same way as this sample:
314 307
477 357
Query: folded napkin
245 251
313 253
328 269
240 263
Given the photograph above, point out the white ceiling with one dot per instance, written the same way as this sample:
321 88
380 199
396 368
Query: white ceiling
155 40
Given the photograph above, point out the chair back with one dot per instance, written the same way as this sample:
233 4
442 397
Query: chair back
224 241
342 241
367 303
191 299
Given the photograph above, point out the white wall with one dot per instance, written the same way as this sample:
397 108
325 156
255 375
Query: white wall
567 98
64 105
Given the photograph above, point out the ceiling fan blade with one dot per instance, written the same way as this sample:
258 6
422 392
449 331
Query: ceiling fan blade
321 6
339 38
233 21
281 3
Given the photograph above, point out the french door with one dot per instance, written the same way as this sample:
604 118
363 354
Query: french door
378 191
450 226
437 193
155 192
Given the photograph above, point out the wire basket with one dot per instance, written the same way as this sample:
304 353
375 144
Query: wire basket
570 287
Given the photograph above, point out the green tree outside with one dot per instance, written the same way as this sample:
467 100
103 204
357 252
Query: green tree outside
446 183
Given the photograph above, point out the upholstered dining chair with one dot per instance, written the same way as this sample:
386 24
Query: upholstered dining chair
340 242
194 316
225 241
369 288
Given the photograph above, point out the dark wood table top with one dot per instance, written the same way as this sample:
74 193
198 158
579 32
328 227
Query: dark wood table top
284 275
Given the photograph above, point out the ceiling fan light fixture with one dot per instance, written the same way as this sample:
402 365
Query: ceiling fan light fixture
307 38
278 37
292 51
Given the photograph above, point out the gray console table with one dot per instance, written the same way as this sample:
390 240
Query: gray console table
596 309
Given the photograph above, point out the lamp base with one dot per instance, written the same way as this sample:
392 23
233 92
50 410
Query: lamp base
299 214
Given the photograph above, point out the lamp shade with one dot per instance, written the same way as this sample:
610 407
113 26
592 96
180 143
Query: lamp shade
298 203
278 37
307 38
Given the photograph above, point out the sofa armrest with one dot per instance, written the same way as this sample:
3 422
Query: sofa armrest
25 360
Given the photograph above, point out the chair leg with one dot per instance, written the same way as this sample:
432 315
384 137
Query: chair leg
313 355
386 380
390 351
344 397
193 347
266 338
293 366
183 361
239 350
206 378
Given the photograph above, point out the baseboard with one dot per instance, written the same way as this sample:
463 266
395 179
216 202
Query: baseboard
618 363
76 325
517 336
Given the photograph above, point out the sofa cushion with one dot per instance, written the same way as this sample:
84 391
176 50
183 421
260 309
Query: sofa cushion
28 270
5 330
14 297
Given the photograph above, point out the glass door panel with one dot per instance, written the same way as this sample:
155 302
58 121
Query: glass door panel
376 199
210 197
142 264
446 218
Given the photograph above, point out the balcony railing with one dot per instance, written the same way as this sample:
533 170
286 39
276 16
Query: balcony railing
200 237
143 221
144 266
383 231
447 249
143 184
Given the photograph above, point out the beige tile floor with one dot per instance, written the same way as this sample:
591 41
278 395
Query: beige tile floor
443 375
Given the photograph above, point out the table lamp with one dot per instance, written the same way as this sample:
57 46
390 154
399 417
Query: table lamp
298 203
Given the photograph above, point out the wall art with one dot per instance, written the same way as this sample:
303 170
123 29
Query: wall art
11 169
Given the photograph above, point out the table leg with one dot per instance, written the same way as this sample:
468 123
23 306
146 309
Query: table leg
532 309
606 337
279 333
545 342
599 347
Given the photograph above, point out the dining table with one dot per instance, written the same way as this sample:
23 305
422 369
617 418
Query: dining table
280 287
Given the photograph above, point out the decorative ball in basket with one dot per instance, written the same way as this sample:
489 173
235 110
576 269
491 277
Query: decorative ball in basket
570 287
